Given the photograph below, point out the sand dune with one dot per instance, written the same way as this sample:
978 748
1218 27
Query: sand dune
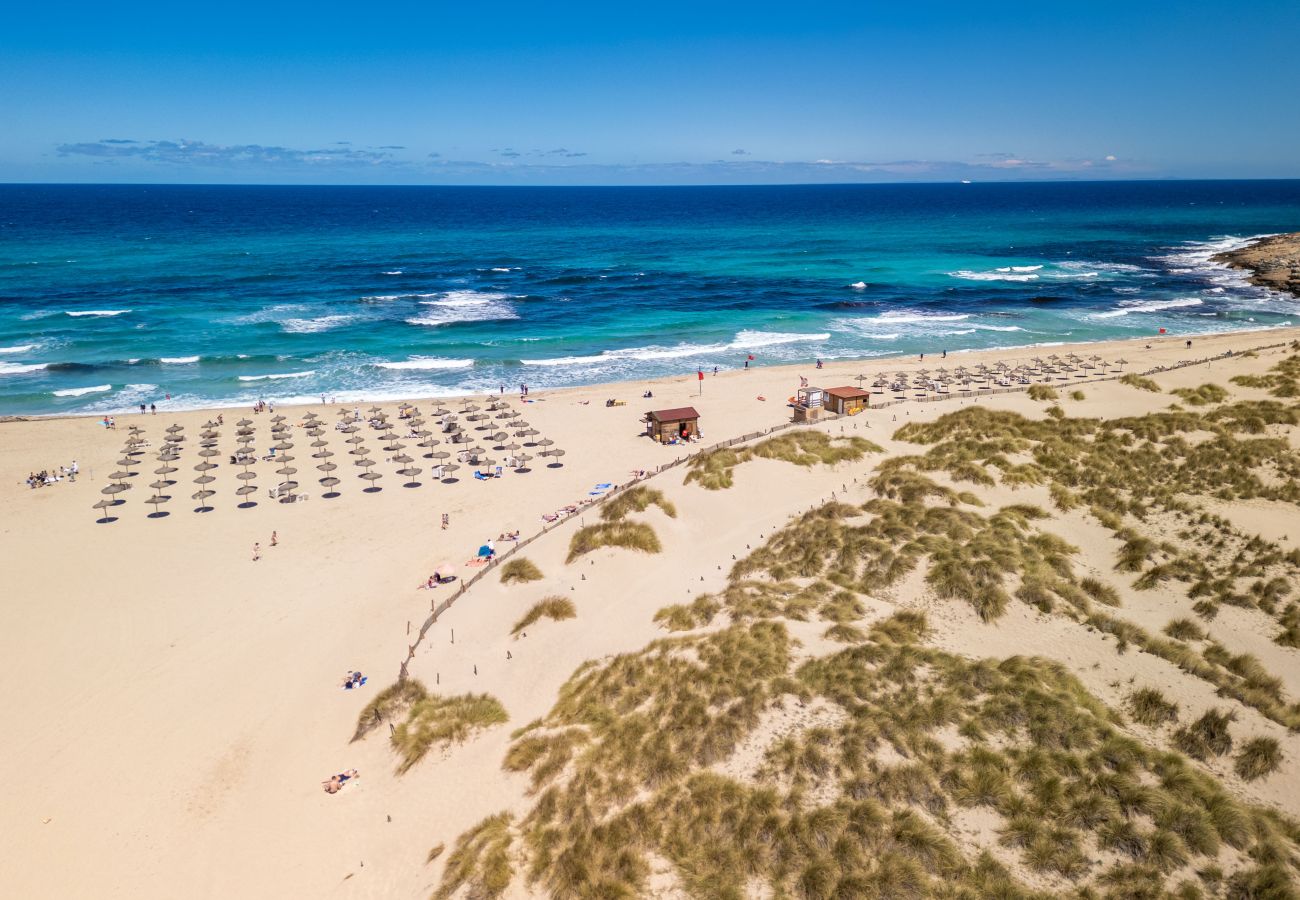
175 705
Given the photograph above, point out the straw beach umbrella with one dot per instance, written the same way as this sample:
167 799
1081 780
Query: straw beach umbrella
102 507
156 500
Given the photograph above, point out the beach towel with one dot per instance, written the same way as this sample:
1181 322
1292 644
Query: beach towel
349 686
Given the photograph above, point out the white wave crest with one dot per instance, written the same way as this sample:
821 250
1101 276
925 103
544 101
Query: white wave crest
900 318
465 306
179 360
20 368
394 272
77 392
311 326
744 340
995 275
20 348
98 312
384 298
1145 306
422 363
1019 268
858 285
278 376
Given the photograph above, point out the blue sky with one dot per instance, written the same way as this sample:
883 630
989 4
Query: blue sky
634 93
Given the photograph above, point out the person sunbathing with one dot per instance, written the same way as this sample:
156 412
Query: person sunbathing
336 782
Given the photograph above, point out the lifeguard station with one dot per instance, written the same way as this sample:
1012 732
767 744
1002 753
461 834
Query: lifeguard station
808 404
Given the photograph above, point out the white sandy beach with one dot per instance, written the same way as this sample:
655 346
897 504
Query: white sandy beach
173 706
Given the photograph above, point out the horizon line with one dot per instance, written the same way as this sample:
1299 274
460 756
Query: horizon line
808 184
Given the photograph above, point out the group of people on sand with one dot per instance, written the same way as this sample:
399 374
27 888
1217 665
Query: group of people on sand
262 406
46 477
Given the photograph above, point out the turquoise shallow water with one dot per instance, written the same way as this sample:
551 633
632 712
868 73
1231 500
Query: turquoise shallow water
115 295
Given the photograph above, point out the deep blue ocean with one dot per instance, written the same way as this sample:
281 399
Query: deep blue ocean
115 295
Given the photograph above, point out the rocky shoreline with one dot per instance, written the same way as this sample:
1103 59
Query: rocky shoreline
1274 262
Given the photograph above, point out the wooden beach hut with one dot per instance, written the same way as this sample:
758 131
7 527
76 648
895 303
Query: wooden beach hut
665 425
847 401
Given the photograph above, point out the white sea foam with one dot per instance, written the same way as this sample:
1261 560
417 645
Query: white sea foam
464 306
899 318
996 275
394 272
278 376
750 340
744 340
269 314
858 285
77 392
505 269
311 326
21 348
997 327
385 298
20 368
98 312
629 353
1145 306
421 363
178 360
1019 268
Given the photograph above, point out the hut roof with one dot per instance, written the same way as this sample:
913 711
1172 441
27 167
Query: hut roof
680 414
847 393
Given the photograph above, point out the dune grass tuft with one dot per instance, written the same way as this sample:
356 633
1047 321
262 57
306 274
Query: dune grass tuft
685 617
435 721
1204 395
519 571
1185 630
802 447
390 703
1207 736
1257 758
637 499
1077 395
630 535
556 608
1042 392
1142 384
481 861
1149 707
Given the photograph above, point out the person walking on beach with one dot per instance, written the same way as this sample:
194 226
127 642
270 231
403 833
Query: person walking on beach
257 551
446 520
275 539
142 409
153 409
